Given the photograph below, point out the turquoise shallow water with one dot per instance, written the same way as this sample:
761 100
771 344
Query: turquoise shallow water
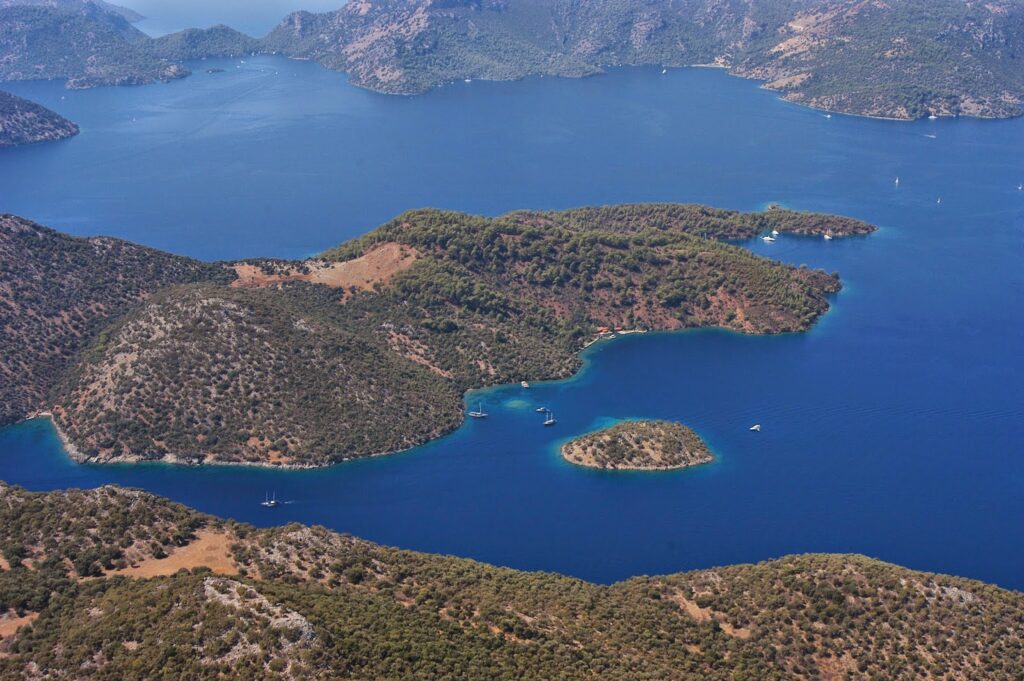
893 428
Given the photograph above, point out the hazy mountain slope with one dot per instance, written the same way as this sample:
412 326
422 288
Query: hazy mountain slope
86 47
25 122
899 59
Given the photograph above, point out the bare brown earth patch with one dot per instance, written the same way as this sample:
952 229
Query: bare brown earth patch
10 622
211 549
377 266
699 614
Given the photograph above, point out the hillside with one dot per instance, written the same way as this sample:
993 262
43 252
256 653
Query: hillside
128 14
369 349
901 60
25 122
638 446
194 43
85 45
57 292
114 583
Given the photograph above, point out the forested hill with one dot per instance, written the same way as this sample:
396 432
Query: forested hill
83 44
117 584
369 348
25 122
905 59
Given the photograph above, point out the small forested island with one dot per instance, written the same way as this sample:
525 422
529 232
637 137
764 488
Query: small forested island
25 122
368 348
119 584
902 60
639 446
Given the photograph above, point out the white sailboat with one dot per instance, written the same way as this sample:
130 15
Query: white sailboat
479 412
525 384
269 502
768 239
828 237
756 428
550 420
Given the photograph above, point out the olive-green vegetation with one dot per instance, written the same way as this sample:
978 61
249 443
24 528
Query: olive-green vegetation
309 603
84 44
638 445
194 43
25 122
128 14
57 292
296 373
698 220
897 59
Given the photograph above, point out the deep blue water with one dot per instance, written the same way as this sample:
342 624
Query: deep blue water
893 428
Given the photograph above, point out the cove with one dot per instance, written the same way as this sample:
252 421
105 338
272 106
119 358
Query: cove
892 428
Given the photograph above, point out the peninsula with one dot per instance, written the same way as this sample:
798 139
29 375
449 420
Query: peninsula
25 122
639 446
901 60
368 348
119 584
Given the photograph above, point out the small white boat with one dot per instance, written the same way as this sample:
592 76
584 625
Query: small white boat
932 117
479 413
541 410
897 180
550 420
525 384
269 502
828 115
768 239
1020 187
775 232
828 237
938 200
469 80
664 71
756 428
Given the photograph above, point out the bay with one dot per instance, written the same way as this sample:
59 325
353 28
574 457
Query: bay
892 428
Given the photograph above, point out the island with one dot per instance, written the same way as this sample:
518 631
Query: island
368 348
25 122
638 446
119 584
901 60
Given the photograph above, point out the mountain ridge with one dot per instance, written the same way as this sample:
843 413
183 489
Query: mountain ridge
905 60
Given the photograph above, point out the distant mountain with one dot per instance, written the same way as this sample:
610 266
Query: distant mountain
114 583
86 46
369 348
902 59
129 14
25 122
195 43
